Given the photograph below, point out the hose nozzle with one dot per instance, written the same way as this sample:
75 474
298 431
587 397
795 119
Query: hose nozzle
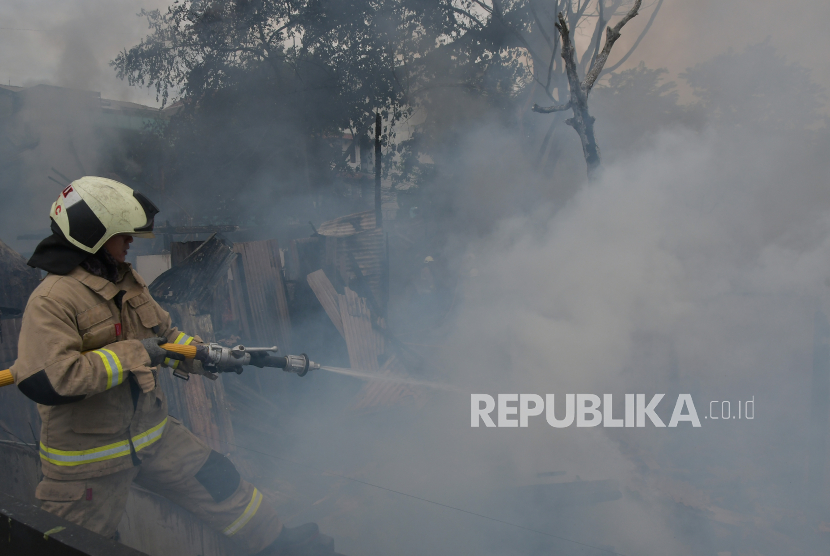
300 364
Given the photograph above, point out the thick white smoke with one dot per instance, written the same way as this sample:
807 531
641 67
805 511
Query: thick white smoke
694 267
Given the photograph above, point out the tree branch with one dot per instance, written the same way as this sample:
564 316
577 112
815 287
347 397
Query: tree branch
549 109
568 56
466 14
496 13
637 42
596 39
611 36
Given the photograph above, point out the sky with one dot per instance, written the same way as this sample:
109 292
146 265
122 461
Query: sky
72 44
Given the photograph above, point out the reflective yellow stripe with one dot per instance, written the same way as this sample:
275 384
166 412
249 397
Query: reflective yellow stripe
115 372
110 451
149 437
182 338
69 458
246 516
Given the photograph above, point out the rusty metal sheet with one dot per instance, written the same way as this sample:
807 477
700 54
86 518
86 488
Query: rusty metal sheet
348 225
367 250
265 293
327 296
363 342
365 345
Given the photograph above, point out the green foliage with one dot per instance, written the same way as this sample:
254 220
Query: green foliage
264 88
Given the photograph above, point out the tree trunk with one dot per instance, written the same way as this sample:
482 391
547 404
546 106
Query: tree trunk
582 121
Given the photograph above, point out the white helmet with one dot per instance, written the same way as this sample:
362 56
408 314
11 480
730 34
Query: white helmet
91 210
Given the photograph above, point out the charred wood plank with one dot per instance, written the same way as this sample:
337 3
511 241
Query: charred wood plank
327 295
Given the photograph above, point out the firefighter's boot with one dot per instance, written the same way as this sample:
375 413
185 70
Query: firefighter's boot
304 540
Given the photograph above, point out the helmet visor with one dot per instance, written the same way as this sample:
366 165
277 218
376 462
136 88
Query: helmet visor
150 211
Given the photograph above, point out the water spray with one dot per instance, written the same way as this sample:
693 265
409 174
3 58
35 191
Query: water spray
373 376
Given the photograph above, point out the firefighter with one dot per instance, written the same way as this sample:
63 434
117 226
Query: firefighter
89 354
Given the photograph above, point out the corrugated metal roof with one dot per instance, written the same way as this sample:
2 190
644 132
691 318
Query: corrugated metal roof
363 342
266 303
368 250
348 225
365 345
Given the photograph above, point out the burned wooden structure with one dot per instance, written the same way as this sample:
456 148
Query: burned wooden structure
345 265
222 292
350 250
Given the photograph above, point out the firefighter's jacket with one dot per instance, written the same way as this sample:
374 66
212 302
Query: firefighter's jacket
76 354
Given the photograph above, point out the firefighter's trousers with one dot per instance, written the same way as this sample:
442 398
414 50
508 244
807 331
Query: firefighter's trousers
183 470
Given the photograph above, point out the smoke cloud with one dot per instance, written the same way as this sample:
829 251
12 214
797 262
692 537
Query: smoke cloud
70 44
687 268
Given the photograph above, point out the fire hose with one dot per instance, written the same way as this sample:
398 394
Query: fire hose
217 358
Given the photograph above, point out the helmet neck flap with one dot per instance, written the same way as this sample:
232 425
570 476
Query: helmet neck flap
55 254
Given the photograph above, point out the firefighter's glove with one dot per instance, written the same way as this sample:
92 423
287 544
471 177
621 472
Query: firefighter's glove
203 354
261 359
156 353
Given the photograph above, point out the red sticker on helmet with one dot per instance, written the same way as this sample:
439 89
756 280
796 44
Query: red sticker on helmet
71 196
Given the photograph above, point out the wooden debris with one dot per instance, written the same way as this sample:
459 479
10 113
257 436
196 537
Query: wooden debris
327 295
364 343
367 348
180 250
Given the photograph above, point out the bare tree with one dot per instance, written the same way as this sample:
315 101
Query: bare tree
582 121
